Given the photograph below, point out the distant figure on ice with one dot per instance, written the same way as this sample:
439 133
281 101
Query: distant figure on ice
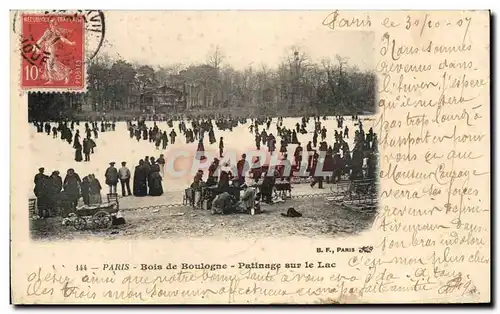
315 139
200 152
78 151
257 141
298 155
87 148
111 177
157 140
271 143
221 147
172 136
164 140
323 133
77 136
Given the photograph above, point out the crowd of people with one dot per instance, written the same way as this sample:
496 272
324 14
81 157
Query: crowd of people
68 132
336 160
330 152
56 196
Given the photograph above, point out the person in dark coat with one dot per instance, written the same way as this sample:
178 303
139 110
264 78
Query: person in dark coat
85 190
155 186
138 134
172 136
140 179
164 140
78 151
257 141
294 138
315 139
94 190
55 187
42 192
71 187
111 177
87 148
221 147
267 188
76 137
297 155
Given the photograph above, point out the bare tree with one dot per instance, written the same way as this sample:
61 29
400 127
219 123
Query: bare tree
215 57
297 61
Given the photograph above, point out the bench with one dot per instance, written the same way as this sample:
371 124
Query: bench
113 198
32 207
357 192
283 189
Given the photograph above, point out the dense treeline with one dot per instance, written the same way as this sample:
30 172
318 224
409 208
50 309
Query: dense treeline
327 86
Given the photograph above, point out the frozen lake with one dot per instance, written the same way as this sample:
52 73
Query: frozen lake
55 154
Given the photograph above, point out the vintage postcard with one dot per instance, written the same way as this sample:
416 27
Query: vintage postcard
250 157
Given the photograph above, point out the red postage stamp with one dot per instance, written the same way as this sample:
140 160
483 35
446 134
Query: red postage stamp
52 48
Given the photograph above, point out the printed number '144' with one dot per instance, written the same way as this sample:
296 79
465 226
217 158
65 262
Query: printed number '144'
81 267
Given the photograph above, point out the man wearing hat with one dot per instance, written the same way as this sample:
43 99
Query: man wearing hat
40 175
111 177
124 174
41 191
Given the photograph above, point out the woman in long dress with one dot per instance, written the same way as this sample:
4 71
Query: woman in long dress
154 179
78 151
140 179
155 186
161 163
95 188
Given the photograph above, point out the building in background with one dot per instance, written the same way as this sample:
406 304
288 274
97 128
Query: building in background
163 99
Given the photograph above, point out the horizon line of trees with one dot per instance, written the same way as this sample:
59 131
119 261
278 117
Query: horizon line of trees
329 85
324 84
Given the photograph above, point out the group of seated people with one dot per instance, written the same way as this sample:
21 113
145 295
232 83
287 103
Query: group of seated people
226 193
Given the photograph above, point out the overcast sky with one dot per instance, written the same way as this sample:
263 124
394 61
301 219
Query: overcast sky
245 37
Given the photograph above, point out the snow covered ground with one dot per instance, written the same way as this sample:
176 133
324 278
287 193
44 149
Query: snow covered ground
55 154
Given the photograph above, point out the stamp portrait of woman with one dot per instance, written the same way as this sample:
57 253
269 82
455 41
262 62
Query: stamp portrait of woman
54 70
